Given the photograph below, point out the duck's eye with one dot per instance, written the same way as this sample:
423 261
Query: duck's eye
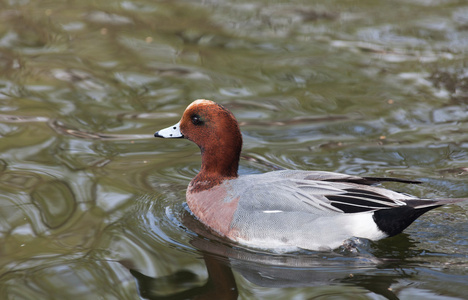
196 120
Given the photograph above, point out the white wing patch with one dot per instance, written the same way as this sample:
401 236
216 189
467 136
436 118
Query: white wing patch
272 211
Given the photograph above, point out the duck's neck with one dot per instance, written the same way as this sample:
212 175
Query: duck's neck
218 164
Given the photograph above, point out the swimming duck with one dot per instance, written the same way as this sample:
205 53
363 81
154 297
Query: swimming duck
284 210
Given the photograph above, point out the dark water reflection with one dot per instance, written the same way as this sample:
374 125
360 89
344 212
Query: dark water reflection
91 207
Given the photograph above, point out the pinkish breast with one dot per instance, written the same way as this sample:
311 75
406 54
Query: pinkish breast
214 209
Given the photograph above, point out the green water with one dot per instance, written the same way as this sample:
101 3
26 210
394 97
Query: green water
92 206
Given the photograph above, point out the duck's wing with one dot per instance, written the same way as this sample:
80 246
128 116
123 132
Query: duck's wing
344 178
325 193
346 197
321 193
356 194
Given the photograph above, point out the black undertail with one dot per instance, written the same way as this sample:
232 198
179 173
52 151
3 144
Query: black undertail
394 220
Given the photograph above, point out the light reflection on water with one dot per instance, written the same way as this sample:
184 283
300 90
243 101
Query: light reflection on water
92 207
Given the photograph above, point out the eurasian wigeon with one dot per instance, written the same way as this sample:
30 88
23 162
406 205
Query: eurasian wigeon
284 210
